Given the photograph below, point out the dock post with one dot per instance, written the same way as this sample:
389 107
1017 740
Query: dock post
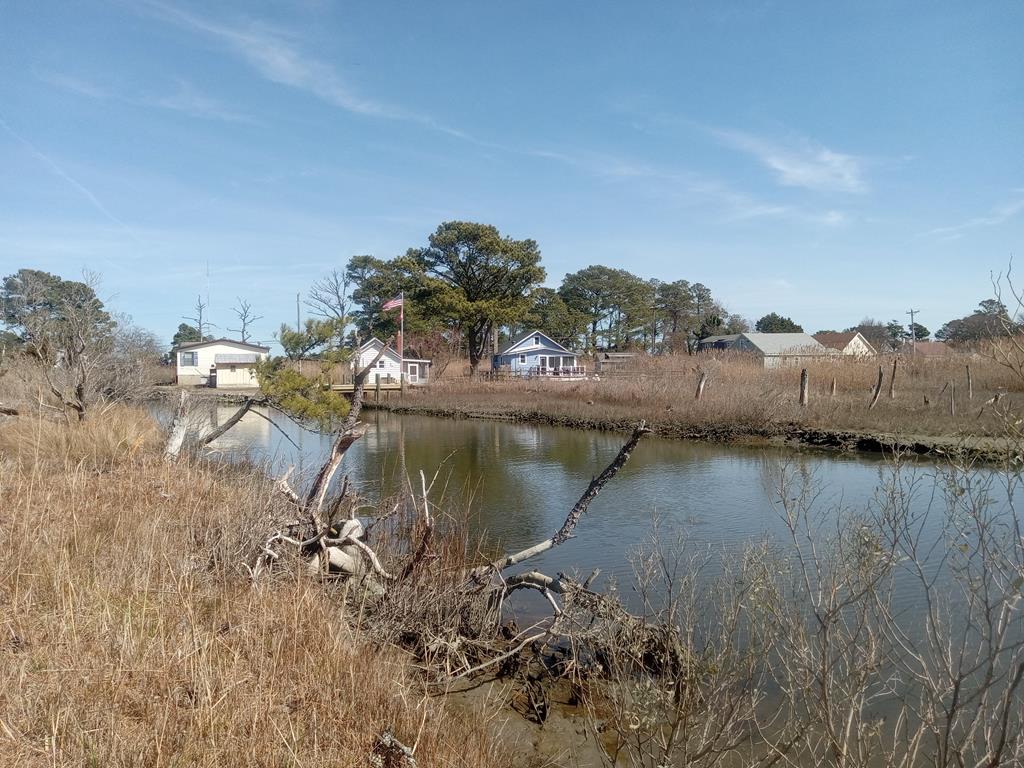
376 397
804 394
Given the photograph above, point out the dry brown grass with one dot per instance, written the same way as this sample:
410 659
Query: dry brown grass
129 636
743 397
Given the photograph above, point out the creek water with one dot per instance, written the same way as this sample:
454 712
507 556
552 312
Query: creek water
518 481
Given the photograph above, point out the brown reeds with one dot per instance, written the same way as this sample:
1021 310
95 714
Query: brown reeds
746 397
129 636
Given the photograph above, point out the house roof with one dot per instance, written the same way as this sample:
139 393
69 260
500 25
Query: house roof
552 345
719 339
836 340
241 358
211 342
786 343
375 344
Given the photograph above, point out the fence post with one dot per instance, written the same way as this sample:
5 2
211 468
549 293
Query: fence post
952 398
970 384
804 393
700 385
892 381
832 390
878 389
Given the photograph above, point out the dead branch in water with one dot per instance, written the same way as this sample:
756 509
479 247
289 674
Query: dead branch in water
577 512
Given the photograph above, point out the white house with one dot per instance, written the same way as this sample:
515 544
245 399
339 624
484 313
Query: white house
221 363
537 354
849 343
390 366
779 349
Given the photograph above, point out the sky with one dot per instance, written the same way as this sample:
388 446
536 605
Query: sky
826 161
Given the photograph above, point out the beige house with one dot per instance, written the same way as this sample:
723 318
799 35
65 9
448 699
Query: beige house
850 343
221 363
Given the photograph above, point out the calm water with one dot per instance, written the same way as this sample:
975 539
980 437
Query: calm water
520 481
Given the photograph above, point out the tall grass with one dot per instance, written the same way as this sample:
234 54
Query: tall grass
744 397
129 635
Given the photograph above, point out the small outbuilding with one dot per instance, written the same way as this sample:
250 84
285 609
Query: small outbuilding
614 362
537 354
849 343
221 363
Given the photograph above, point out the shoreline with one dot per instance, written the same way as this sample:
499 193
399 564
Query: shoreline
791 435
788 435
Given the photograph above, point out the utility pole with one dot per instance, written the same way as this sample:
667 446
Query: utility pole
913 334
298 317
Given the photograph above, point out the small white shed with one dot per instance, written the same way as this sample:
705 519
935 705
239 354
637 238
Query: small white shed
221 363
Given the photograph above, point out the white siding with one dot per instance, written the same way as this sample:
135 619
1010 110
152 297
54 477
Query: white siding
238 375
387 366
205 356
857 347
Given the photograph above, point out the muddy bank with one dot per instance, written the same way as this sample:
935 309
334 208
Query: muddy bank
977 448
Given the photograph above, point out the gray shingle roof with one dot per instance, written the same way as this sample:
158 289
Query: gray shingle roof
786 344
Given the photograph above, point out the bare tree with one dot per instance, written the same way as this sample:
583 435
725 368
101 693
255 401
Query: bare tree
328 297
246 317
202 323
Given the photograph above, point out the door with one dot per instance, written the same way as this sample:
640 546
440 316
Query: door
414 373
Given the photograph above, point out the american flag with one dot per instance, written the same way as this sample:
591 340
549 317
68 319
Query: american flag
398 301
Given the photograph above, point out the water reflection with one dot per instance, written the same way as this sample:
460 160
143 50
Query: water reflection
522 480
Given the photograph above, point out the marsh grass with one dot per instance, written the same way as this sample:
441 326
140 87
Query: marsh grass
742 397
130 635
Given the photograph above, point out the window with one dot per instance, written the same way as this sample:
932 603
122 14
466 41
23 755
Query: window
522 358
382 363
189 358
536 341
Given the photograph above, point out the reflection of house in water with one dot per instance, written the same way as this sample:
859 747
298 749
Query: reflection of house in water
251 432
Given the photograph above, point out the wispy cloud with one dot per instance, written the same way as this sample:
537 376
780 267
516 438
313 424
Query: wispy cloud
276 57
54 168
801 164
185 98
998 215
687 188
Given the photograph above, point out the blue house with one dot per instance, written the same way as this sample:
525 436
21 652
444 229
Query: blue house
537 354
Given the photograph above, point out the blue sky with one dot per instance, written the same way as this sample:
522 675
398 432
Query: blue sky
826 161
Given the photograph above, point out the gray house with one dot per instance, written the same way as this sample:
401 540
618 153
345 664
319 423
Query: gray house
780 349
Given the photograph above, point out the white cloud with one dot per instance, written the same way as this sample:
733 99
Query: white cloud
804 164
186 98
275 57
999 214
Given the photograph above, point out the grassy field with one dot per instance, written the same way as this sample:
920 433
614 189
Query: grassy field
131 636
743 398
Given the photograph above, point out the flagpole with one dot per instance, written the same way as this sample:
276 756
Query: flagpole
401 328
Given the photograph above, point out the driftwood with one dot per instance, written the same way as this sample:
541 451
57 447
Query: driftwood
6 410
878 388
970 384
701 384
340 553
832 389
579 509
179 429
892 381
237 417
